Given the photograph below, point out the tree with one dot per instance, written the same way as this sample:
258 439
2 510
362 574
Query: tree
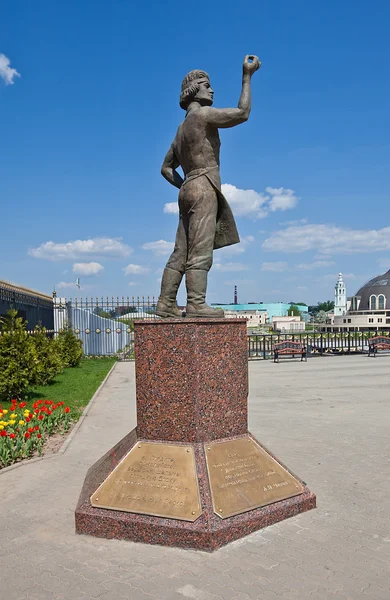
48 363
129 309
325 306
321 316
18 357
105 314
70 347
293 311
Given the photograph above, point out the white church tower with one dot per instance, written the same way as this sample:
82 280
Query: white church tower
340 297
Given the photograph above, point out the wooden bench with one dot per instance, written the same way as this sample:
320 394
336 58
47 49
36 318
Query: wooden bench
380 342
289 348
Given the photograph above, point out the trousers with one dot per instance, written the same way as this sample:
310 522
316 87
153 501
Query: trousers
198 209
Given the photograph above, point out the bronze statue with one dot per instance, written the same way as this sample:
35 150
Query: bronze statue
206 220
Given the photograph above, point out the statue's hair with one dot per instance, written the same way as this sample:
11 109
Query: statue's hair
190 87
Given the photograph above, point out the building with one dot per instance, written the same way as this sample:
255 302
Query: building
288 324
340 298
369 308
255 318
34 307
273 309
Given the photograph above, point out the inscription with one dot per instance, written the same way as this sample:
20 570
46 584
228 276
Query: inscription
243 476
156 479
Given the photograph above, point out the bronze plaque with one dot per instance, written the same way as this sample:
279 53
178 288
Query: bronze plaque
153 479
243 476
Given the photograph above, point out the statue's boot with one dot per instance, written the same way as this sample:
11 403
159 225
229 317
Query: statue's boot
166 305
196 283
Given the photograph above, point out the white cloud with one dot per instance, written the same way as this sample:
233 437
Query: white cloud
6 72
102 247
135 270
317 264
276 267
91 268
172 208
328 240
231 266
281 198
160 248
133 283
245 203
249 203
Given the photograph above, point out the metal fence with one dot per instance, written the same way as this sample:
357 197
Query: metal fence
104 325
106 328
32 306
261 346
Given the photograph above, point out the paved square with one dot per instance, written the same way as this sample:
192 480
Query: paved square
327 419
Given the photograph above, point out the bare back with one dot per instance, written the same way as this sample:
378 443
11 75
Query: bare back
197 142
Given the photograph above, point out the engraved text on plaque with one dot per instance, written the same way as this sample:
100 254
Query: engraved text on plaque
243 476
153 479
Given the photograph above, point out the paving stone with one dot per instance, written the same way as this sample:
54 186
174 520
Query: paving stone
341 551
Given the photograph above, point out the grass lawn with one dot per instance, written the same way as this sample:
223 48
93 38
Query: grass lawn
75 386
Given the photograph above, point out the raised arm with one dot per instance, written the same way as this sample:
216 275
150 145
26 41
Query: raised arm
229 117
168 169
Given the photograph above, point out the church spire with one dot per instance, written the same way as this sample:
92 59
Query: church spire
340 297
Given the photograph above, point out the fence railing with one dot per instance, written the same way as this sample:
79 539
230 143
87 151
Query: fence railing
106 328
32 306
104 325
260 346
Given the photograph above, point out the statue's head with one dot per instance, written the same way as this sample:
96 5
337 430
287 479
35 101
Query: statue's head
196 87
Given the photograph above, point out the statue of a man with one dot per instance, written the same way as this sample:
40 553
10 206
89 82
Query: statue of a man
206 220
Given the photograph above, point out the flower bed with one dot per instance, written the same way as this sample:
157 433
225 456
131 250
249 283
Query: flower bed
24 428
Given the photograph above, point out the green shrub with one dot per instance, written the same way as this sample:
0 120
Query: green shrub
18 357
70 347
128 322
48 355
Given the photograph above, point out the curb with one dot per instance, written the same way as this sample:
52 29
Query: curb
70 437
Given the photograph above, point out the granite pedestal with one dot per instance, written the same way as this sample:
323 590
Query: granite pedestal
192 387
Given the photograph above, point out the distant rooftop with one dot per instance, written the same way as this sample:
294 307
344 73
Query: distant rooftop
13 287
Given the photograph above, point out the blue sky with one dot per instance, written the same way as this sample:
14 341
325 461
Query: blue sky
93 106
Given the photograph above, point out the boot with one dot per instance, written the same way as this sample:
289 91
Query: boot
166 305
196 283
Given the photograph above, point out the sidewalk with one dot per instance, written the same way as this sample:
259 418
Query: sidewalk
327 419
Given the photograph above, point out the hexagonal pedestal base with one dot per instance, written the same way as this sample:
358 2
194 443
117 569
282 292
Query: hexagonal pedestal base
208 532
